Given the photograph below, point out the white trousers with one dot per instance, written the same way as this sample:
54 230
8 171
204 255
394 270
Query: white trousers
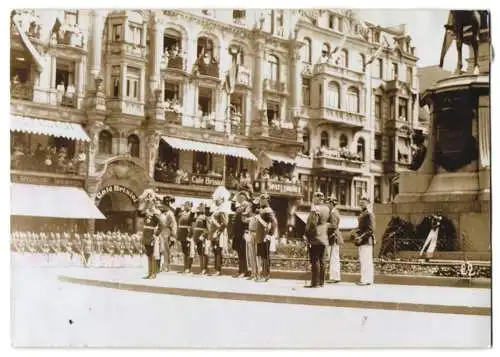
335 262
366 263
430 243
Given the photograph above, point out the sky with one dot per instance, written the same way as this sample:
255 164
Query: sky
426 28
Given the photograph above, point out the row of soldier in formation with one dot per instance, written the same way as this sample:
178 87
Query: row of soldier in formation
202 232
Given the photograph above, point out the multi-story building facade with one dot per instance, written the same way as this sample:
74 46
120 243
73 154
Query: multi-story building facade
187 100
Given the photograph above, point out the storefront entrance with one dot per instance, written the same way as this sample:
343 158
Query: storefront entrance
120 211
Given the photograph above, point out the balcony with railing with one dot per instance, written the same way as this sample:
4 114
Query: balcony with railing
273 86
338 116
206 67
127 48
338 160
338 72
173 61
183 178
234 124
23 91
244 76
125 106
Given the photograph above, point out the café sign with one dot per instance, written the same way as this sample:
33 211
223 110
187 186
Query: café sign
206 181
117 188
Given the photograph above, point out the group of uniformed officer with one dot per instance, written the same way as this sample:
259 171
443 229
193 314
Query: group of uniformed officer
322 232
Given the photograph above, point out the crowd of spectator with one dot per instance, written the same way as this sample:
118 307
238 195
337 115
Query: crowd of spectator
47 159
270 175
340 153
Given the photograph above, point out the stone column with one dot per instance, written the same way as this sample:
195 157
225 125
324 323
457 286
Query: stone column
258 85
153 142
191 54
142 84
123 79
247 119
296 77
396 107
97 31
409 114
93 146
157 49
484 132
362 96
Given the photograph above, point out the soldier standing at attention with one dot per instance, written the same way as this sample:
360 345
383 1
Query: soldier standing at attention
184 234
365 242
169 230
243 210
200 230
217 233
335 240
316 235
267 230
252 242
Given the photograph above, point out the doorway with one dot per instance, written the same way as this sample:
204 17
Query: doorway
120 213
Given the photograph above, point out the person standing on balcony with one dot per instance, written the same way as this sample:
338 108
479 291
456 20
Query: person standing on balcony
243 210
317 238
217 230
335 240
184 231
266 232
365 241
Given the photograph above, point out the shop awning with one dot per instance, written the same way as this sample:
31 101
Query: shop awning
48 127
346 222
180 200
191 145
52 201
279 157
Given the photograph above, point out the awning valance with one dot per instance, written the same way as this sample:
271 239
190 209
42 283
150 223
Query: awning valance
346 222
279 157
52 201
48 127
191 145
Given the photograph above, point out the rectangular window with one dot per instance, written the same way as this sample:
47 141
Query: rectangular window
133 80
343 192
360 188
378 107
377 154
117 33
306 185
377 190
403 107
205 97
172 91
237 104
135 34
239 14
71 17
395 71
376 37
409 75
306 92
273 111
331 22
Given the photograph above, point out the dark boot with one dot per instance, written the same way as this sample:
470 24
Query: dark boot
154 269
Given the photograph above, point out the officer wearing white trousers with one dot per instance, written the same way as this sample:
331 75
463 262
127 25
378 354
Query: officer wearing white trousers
365 242
335 240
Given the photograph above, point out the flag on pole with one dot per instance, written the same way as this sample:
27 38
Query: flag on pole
335 54
230 80
377 52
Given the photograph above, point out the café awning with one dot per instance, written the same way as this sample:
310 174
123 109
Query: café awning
29 125
346 222
279 157
180 200
191 145
52 201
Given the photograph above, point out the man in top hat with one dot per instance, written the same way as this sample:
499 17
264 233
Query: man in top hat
217 232
168 230
243 210
184 231
317 238
335 240
365 241
200 231
266 230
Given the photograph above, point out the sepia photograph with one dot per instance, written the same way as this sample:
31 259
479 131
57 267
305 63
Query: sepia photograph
250 178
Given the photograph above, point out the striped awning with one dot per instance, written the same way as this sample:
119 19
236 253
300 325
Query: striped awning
346 222
48 127
191 145
52 201
279 157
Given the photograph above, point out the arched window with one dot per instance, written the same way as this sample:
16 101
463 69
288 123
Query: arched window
105 142
361 64
325 50
333 95
205 48
353 100
273 67
325 140
307 54
133 145
343 141
306 138
361 148
344 59
237 54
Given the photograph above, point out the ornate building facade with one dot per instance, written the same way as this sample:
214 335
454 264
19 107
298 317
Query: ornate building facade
282 101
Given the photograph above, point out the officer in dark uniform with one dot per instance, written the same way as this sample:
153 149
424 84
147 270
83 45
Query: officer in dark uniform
217 233
184 231
200 237
266 230
243 211
317 238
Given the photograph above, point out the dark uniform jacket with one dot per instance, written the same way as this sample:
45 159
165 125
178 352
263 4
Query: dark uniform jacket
366 227
270 226
184 227
243 212
216 224
150 228
317 225
200 227
334 234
